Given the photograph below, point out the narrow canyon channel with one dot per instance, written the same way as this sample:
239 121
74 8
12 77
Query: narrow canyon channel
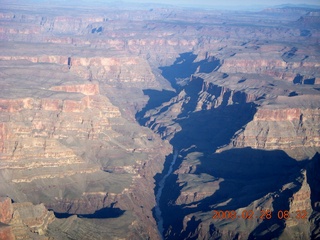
162 182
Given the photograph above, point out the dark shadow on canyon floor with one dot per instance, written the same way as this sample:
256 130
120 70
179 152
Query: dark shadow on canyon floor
156 98
209 129
184 67
103 213
247 174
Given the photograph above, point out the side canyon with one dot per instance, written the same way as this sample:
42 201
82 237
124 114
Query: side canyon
138 121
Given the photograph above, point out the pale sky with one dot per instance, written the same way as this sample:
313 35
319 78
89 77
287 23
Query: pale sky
229 2
225 4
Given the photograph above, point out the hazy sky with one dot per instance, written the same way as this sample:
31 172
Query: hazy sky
218 4
230 2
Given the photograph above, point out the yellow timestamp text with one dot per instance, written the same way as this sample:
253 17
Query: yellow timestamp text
262 214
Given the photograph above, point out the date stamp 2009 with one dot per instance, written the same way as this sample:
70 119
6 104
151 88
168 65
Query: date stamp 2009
263 214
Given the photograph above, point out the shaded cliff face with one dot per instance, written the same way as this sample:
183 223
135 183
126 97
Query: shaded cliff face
70 148
238 151
64 144
24 220
95 99
299 137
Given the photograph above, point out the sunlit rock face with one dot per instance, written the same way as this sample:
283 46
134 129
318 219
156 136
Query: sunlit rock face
96 99
6 210
298 127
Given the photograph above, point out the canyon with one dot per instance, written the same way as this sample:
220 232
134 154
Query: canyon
137 121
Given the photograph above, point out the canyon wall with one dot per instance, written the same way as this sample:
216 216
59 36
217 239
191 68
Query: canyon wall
60 142
293 130
25 220
95 98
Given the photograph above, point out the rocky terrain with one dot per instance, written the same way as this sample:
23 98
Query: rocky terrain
132 121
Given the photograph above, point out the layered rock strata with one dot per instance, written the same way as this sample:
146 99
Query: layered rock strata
60 143
299 135
26 221
239 102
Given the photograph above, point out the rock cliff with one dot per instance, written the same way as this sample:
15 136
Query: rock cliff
95 99
26 221
298 137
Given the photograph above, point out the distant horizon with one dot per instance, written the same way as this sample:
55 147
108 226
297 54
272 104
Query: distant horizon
228 2
225 3
198 3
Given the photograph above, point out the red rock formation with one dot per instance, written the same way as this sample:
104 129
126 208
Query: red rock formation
278 114
6 210
15 105
6 232
49 104
297 224
38 59
64 143
113 70
86 89
3 136
265 63
123 69
35 217
288 129
23 220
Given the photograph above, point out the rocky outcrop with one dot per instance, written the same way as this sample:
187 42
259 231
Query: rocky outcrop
38 59
26 221
35 218
197 97
6 232
134 71
86 89
191 193
231 94
293 130
63 163
272 65
6 210
300 205
303 211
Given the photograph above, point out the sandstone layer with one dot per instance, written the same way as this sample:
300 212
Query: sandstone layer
95 98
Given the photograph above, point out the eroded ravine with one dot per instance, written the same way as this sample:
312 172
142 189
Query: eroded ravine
242 110
183 68
188 94
201 118
158 213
